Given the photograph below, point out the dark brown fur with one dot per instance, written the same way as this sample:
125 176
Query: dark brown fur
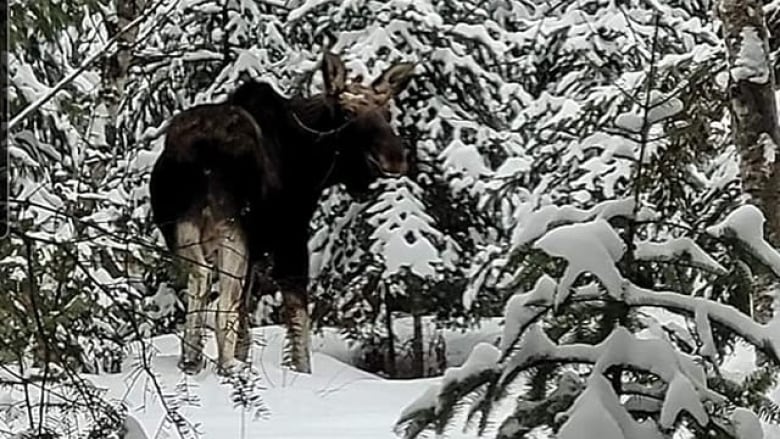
262 160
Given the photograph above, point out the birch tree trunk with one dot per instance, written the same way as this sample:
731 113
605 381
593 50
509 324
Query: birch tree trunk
117 65
103 133
754 110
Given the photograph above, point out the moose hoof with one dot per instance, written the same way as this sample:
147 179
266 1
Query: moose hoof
300 365
191 365
227 368
304 368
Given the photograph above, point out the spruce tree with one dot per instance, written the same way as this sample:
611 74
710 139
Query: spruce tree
631 206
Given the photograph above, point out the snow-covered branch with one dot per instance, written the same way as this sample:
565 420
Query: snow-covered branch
746 224
764 337
82 68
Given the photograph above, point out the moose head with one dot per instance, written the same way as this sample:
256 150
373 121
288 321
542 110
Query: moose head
367 144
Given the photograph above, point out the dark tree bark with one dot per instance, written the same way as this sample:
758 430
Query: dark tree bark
392 369
418 346
755 124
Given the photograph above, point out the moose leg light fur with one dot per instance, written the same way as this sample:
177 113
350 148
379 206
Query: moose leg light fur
189 248
232 267
244 338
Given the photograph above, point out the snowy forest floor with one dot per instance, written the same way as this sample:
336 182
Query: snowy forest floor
336 401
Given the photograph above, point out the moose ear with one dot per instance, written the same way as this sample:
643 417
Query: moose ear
395 79
334 74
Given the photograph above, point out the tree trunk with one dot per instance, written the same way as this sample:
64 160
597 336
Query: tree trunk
755 124
117 65
418 346
754 121
392 370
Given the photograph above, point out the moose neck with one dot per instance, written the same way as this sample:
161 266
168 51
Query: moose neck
316 131
302 136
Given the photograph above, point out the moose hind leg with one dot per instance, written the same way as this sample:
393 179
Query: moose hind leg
189 249
232 265
244 338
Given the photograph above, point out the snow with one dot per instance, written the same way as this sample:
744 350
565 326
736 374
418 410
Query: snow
400 253
532 226
751 63
592 247
704 330
687 389
483 357
770 148
464 158
663 107
338 400
656 356
746 223
660 107
513 166
404 234
307 7
519 312
341 401
480 33
681 396
591 417
613 145
630 121
622 348
672 249
597 413
569 109
746 424
134 429
738 365
766 336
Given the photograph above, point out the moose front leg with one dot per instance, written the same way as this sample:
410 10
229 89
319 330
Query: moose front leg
296 314
291 268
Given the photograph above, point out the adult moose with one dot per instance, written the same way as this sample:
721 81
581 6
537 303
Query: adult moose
240 179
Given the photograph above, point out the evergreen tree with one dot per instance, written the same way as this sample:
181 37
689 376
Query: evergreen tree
631 173
572 171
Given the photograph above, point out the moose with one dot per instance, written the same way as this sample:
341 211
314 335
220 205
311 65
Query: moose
239 181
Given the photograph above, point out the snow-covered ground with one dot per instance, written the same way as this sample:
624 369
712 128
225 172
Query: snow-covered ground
336 401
